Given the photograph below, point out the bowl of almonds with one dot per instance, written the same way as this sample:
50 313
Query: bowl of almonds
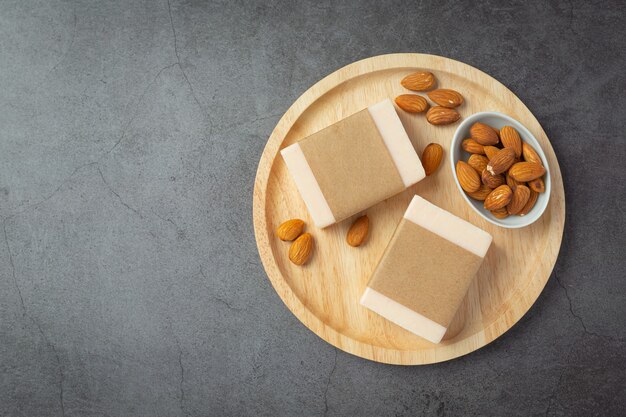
500 169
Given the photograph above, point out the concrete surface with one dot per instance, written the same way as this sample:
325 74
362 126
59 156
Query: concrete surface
130 133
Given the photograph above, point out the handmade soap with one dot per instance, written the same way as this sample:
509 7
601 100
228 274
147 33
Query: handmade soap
353 164
426 270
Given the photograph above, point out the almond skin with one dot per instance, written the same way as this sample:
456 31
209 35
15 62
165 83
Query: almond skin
481 194
471 146
498 198
478 162
301 249
419 81
530 155
358 231
484 134
530 203
491 151
290 229
467 176
526 171
501 161
439 115
446 98
511 182
511 139
431 157
537 185
412 103
519 199
500 213
492 181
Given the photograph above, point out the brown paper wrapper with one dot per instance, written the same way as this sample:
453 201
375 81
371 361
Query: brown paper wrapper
352 165
425 272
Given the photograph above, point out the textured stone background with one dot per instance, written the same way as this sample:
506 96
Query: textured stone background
130 133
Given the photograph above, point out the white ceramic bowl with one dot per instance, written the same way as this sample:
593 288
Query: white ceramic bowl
499 120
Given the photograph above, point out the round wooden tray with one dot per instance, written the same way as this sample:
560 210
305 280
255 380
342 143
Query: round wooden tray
324 294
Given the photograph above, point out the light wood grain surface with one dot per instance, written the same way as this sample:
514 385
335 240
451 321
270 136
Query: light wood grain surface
324 294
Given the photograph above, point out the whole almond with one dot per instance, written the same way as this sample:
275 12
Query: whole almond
500 213
478 162
419 81
519 199
511 182
530 203
492 181
412 103
481 193
467 176
526 171
501 161
358 231
301 249
290 229
439 115
537 185
431 157
511 139
498 198
446 98
471 146
491 151
530 155
484 134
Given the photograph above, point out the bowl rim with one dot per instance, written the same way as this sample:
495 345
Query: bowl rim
455 153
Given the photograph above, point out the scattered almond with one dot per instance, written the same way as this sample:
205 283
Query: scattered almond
478 162
526 171
290 229
419 81
467 176
484 134
501 161
491 151
301 249
412 103
358 231
481 194
530 155
490 180
431 157
500 213
446 98
519 199
498 198
511 139
530 203
471 146
537 185
439 115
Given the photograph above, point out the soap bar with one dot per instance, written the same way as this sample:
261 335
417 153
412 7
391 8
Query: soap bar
353 164
426 269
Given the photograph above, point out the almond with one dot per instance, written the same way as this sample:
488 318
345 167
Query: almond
419 81
290 229
501 161
358 231
526 171
490 151
511 139
530 203
412 103
530 155
498 198
471 146
500 213
492 181
446 98
484 134
478 162
537 185
301 249
511 182
442 115
431 157
519 199
481 194
467 176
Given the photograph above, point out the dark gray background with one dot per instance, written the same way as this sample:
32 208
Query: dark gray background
130 133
